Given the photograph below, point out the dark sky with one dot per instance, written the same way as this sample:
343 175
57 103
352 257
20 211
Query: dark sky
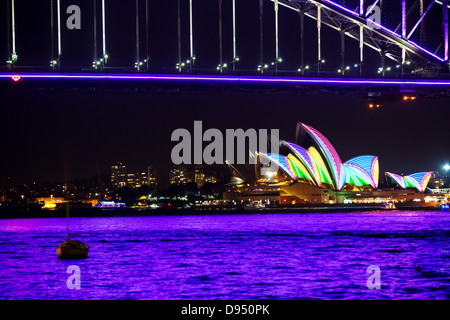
40 129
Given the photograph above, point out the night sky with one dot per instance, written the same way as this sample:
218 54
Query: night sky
41 129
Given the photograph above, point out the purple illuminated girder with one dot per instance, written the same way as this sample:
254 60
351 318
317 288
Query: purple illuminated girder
223 78
445 27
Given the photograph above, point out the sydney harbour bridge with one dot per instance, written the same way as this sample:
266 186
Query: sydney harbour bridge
396 44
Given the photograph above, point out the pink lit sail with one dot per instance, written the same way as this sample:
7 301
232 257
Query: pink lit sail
330 153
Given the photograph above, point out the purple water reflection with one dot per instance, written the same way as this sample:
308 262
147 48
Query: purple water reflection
266 256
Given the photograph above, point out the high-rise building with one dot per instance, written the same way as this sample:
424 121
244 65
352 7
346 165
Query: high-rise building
152 176
179 175
120 178
119 175
438 179
203 175
131 180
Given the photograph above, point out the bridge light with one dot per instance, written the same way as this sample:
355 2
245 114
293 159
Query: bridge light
307 67
355 65
15 78
322 61
237 59
266 66
347 68
280 60
397 66
405 98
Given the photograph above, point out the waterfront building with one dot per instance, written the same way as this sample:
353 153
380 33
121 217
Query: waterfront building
119 175
120 178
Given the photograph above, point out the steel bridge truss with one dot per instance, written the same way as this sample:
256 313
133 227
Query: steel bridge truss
360 26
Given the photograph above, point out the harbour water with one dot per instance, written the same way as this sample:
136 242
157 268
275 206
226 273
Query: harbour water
232 256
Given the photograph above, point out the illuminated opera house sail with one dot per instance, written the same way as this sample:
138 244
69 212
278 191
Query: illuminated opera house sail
416 180
311 171
320 165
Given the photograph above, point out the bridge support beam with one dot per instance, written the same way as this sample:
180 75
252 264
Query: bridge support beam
422 25
191 36
319 25
13 27
445 27
234 35
95 32
179 66
105 55
361 36
275 3
147 32
302 40
361 48
52 33
220 37
342 52
403 32
137 36
261 37
58 8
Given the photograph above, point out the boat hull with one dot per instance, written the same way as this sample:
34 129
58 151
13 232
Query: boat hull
71 249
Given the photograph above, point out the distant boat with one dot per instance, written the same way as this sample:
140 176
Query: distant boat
389 204
254 206
72 249
110 205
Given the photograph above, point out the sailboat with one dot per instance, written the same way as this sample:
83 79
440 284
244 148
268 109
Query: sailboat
72 249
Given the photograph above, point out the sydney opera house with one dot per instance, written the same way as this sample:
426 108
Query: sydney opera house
310 171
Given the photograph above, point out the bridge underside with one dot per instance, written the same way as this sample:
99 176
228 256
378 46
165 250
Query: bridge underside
376 90
387 43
